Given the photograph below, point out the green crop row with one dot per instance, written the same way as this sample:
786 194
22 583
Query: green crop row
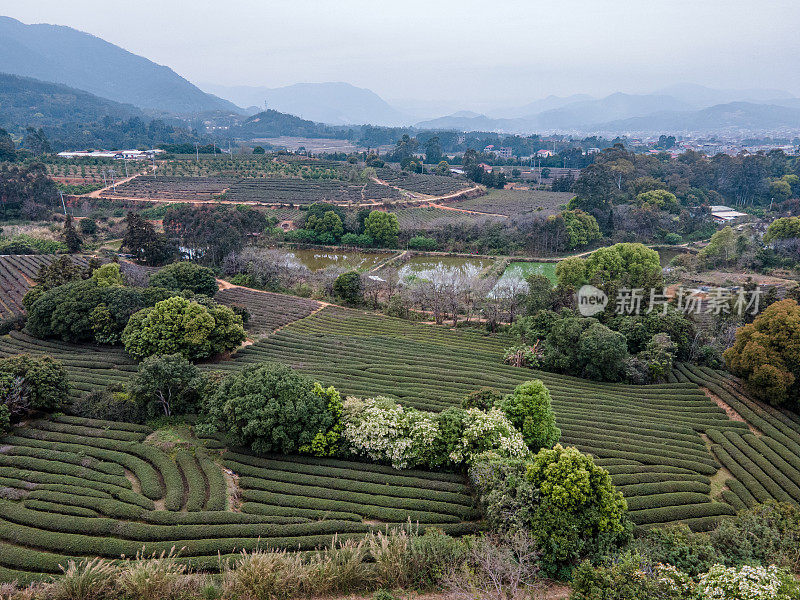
111 434
755 464
102 424
61 468
195 482
106 506
348 485
628 451
54 507
303 536
731 462
734 500
738 489
144 472
349 469
669 514
126 532
641 478
662 500
382 513
374 499
664 487
109 468
217 486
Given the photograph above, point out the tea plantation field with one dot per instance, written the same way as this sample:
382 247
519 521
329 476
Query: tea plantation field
649 437
671 448
81 487
268 311
16 277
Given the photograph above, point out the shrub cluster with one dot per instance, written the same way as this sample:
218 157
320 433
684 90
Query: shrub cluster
86 310
182 276
566 502
639 349
271 408
385 431
29 384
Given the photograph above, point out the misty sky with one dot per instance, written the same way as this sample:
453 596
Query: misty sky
465 53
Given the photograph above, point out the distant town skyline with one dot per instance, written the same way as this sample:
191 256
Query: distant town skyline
464 54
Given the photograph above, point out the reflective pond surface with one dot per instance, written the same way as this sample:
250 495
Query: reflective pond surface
316 260
424 267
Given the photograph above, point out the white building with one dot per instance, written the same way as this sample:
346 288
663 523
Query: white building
723 214
129 154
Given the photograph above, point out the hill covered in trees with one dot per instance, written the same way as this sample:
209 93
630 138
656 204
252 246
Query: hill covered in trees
77 59
30 102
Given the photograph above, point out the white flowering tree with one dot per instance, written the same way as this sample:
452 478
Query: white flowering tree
747 583
382 430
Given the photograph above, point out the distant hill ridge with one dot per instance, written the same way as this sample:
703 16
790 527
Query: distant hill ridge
83 61
28 102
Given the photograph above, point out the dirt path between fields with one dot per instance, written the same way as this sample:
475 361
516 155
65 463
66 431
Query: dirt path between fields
471 212
96 193
729 410
136 486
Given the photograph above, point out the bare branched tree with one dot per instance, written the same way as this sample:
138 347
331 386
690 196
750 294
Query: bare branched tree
497 568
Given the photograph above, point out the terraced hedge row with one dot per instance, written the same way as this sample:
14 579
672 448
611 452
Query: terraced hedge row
72 487
652 433
90 367
654 440
17 272
764 459
268 311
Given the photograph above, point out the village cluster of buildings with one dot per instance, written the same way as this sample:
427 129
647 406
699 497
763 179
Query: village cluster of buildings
119 154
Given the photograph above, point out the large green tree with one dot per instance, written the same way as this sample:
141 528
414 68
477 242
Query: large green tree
783 229
143 241
166 385
272 408
180 326
186 276
32 383
602 353
71 237
327 229
80 310
582 228
579 514
529 408
766 353
382 227
627 265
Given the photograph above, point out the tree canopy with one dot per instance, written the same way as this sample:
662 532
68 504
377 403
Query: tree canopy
166 385
186 276
626 265
382 227
530 410
766 353
272 408
180 326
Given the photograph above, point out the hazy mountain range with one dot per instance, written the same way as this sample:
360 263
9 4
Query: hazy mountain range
687 108
90 65
336 103
79 60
